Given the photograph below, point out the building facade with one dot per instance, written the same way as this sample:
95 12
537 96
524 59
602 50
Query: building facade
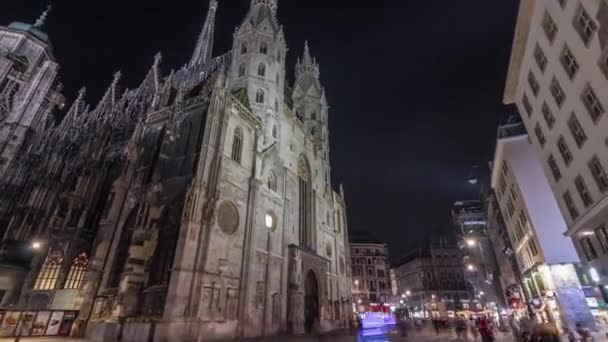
546 257
432 282
558 78
470 221
198 204
371 287
29 90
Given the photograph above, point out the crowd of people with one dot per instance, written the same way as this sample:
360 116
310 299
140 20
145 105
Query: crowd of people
485 329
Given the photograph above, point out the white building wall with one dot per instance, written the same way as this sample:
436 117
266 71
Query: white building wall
589 58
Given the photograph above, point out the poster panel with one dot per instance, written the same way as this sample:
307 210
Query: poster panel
26 323
9 323
66 324
54 323
40 323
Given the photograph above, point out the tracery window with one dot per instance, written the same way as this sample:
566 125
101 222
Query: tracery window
77 270
49 273
264 48
305 203
243 48
272 182
237 145
242 70
259 96
262 70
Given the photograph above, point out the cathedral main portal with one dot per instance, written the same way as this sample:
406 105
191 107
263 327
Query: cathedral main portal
311 301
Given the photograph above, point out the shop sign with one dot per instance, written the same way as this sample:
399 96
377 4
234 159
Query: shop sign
592 302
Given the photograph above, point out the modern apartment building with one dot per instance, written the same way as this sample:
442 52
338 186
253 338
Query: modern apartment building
558 78
546 258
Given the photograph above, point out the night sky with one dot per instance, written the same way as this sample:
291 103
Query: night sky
415 87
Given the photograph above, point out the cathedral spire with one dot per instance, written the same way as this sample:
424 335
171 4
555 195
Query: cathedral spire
307 65
43 17
204 46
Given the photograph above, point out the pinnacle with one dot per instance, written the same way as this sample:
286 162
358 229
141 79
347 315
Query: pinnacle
43 17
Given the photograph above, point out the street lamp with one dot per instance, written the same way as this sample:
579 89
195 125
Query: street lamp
36 245
471 242
481 293
470 267
403 295
408 293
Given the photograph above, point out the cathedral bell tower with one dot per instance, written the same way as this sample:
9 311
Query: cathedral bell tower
29 88
310 107
258 66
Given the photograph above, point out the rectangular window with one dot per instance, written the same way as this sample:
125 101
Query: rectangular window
513 192
541 59
539 135
549 27
557 92
602 237
533 247
592 103
548 115
505 167
569 62
577 130
503 184
584 25
570 205
588 248
583 192
599 175
533 83
527 105
604 62
564 150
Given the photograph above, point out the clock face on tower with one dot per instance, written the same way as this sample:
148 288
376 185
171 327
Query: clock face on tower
270 221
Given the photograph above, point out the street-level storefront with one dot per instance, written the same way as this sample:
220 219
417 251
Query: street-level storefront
36 323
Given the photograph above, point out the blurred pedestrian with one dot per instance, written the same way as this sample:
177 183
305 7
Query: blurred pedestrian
461 328
486 330
473 328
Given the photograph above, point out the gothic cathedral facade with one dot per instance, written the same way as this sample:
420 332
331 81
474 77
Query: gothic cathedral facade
198 205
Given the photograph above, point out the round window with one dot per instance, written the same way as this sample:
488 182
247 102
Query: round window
228 217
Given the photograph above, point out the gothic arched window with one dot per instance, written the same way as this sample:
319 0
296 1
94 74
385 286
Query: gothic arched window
243 48
274 131
262 70
278 80
259 96
237 145
76 274
305 203
276 105
272 181
264 48
49 273
242 70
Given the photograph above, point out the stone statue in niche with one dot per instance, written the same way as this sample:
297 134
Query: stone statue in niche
206 309
259 294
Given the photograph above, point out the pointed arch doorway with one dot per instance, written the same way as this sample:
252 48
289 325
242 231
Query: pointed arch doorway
311 301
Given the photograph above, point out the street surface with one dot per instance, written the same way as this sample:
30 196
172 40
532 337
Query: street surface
369 335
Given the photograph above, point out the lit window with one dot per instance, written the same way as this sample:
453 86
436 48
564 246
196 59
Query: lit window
49 273
527 105
569 62
554 168
77 270
237 145
548 115
599 175
592 103
584 25
577 130
583 192
549 27
557 92
533 83
539 135
564 150
541 59
574 214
